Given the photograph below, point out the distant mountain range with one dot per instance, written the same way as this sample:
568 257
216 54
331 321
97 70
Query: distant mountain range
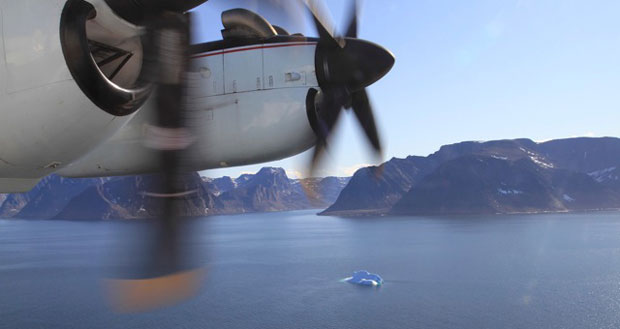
495 177
505 176
270 189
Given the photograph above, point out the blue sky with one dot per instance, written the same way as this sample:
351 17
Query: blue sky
471 70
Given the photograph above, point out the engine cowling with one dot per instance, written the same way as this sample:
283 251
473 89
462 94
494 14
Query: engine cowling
105 64
107 70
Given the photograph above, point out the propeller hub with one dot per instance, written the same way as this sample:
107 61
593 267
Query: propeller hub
357 65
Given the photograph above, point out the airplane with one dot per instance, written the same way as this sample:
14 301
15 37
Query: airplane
93 88
72 103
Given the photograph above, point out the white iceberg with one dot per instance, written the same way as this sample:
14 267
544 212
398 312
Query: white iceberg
365 278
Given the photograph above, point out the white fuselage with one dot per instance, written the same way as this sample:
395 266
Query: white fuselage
246 104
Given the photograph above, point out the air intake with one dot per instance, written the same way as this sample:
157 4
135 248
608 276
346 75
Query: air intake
242 24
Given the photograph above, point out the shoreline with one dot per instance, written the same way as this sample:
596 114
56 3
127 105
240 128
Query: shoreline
379 213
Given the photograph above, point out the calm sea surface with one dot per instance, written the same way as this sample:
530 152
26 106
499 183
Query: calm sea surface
283 270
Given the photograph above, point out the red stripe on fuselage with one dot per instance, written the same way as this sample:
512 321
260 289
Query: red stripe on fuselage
221 52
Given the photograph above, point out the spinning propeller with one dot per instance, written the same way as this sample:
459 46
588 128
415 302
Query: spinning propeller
345 66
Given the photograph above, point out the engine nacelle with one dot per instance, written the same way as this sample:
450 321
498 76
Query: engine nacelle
105 66
47 120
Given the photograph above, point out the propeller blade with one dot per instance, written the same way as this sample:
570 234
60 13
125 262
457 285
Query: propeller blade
172 51
363 112
165 278
323 23
327 107
352 30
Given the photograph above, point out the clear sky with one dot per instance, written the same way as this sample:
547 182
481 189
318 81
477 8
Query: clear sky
470 70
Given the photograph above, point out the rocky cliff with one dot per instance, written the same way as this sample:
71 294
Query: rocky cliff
504 176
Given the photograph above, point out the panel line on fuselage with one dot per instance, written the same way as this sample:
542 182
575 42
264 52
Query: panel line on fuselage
234 50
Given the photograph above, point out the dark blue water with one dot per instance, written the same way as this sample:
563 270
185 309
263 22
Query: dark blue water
283 271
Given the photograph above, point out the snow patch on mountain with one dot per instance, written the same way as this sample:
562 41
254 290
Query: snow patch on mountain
604 174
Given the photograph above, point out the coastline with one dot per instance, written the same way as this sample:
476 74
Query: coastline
383 213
